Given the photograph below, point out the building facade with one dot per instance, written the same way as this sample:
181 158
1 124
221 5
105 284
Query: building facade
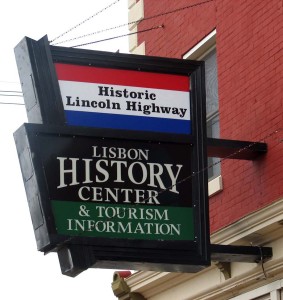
241 43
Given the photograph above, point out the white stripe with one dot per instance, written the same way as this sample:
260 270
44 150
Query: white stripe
177 102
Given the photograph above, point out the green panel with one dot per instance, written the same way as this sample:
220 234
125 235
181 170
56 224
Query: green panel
123 221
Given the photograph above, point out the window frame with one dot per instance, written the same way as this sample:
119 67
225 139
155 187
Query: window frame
271 290
198 52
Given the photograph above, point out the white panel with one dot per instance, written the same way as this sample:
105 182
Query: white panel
136 13
140 50
215 186
167 103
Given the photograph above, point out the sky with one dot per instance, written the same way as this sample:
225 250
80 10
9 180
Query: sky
26 272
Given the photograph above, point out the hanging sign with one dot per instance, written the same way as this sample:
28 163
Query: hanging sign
125 99
114 169
113 188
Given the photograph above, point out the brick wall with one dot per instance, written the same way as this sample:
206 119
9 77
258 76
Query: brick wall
250 82
250 46
182 29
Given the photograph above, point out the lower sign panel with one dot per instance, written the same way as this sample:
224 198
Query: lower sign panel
118 189
130 199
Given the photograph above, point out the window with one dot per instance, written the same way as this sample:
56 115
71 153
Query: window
206 50
271 291
212 113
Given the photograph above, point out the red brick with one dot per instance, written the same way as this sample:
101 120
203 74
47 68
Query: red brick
250 83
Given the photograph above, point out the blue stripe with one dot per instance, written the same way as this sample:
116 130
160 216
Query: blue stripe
113 121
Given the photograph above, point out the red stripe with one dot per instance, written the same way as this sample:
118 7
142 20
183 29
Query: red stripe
92 74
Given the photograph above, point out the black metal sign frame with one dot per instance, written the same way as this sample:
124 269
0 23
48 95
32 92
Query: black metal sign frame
43 101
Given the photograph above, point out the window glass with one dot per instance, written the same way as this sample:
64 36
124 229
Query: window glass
212 112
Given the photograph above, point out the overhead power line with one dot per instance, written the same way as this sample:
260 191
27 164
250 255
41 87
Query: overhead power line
134 22
81 23
10 95
116 37
13 82
11 103
11 92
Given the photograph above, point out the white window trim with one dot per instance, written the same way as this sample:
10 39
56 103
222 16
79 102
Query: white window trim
215 185
200 50
273 289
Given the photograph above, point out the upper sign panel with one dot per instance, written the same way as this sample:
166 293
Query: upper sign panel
125 99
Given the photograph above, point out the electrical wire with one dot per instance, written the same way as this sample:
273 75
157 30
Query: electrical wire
11 103
216 163
11 92
262 262
133 22
81 23
119 36
7 95
3 81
